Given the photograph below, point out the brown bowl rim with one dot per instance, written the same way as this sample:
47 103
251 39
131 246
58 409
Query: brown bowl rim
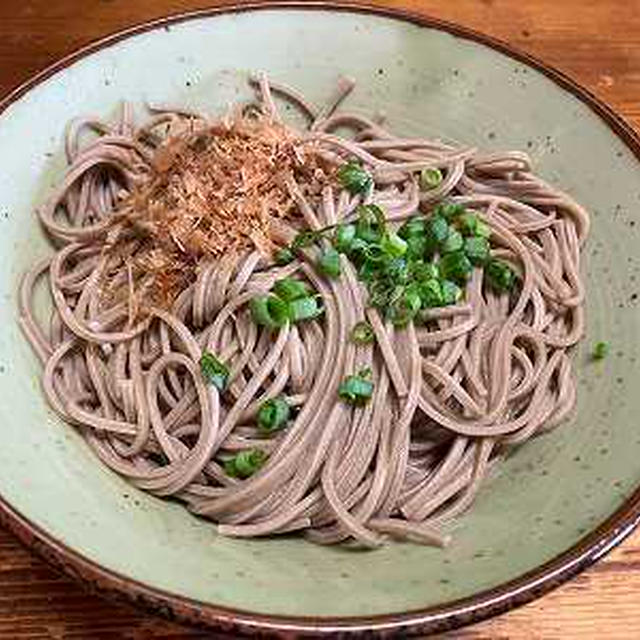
433 619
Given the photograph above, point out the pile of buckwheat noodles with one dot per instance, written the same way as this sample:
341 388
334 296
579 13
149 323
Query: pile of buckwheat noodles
449 396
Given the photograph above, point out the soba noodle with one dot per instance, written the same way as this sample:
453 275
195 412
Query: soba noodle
450 395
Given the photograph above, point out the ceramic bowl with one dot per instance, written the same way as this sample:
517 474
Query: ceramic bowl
555 505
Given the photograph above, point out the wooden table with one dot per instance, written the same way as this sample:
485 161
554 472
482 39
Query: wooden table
597 42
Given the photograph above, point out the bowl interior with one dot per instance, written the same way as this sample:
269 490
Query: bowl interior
541 501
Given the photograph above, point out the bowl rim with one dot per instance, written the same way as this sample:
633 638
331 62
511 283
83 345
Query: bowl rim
432 619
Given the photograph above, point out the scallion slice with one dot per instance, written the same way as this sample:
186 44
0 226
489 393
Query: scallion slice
245 463
499 275
600 350
269 311
284 256
305 309
354 178
355 390
362 333
290 289
273 415
430 178
329 263
213 371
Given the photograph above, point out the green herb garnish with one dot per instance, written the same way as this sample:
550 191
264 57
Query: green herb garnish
477 250
424 264
455 266
404 309
284 256
355 390
305 309
371 223
437 230
329 262
431 293
269 311
290 289
499 275
470 225
393 245
305 239
421 270
449 210
413 228
430 178
416 247
354 178
600 351
213 371
451 293
273 415
343 237
362 333
245 463
454 242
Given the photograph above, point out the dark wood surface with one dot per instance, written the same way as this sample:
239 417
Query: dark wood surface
596 42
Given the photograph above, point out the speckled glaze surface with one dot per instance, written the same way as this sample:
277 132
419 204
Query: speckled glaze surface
542 516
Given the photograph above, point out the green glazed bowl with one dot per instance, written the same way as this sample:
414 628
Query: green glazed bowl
555 506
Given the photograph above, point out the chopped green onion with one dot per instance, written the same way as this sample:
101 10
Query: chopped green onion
470 225
278 309
371 223
379 293
343 237
416 247
413 227
455 266
273 415
500 276
368 233
373 213
422 271
454 242
451 292
449 210
362 333
406 307
305 309
358 251
284 256
411 298
436 232
431 293
213 371
477 250
368 270
430 178
600 351
395 294
329 262
290 289
397 267
230 467
355 390
397 271
392 244
245 463
483 230
375 253
269 311
467 223
305 239
354 178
